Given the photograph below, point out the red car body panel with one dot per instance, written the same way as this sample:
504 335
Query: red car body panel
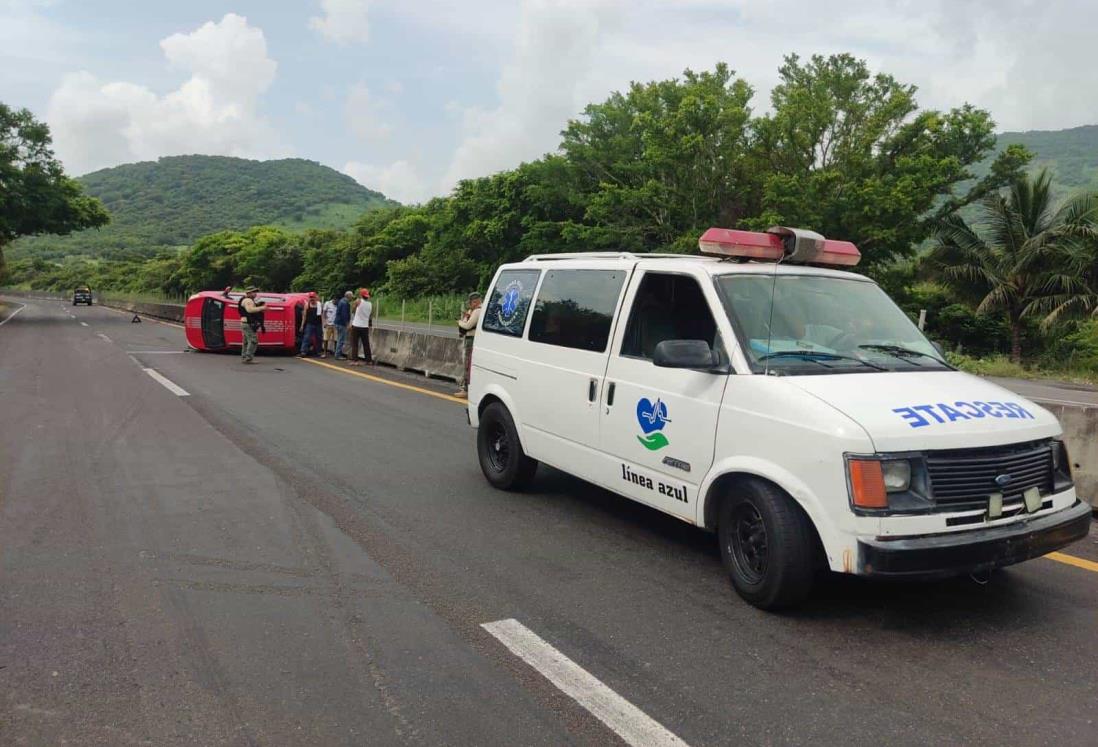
212 320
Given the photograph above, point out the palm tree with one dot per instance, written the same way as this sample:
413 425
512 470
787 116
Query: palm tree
1016 258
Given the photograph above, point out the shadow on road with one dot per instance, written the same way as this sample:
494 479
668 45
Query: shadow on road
960 608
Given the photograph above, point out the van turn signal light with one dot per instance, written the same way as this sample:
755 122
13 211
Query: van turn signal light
867 485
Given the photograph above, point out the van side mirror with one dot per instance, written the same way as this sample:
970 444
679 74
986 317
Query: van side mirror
685 354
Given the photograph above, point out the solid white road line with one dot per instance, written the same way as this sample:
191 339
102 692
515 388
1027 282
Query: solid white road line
8 318
622 717
1070 402
168 384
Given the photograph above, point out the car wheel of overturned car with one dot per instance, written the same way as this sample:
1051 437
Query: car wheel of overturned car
502 459
767 545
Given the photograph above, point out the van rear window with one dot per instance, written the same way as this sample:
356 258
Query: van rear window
575 308
509 302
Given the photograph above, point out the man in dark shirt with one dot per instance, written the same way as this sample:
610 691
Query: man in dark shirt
310 327
251 320
342 322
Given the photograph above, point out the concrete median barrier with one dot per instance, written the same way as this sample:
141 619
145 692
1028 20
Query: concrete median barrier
166 311
432 355
1081 436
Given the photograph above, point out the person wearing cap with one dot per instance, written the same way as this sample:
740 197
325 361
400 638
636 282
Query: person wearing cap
361 314
467 330
342 324
251 319
310 327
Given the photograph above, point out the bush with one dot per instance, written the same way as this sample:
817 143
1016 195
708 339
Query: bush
995 365
1082 347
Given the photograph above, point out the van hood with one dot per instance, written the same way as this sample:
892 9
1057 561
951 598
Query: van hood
912 411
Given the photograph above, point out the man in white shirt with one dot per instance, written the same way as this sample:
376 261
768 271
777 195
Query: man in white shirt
327 319
362 313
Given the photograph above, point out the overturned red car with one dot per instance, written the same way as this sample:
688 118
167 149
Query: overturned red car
212 320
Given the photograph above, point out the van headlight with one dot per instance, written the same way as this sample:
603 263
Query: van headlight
1062 475
896 474
891 483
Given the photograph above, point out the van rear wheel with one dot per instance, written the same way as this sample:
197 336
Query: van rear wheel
502 459
767 545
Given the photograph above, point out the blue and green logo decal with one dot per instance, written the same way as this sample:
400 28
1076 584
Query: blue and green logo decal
509 304
652 417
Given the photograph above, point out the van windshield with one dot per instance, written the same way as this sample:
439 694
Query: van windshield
822 325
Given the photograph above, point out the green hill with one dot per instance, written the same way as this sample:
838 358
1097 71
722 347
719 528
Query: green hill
168 203
1071 155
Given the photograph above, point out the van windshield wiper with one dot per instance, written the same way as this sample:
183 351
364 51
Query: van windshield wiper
815 355
901 352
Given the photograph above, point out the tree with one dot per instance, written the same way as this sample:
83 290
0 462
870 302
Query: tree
664 161
35 195
1003 263
848 153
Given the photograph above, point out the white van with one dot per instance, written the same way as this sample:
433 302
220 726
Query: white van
792 409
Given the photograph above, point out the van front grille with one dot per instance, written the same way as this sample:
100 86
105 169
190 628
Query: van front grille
963 479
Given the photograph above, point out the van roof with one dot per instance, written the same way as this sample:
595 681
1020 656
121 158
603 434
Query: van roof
711 265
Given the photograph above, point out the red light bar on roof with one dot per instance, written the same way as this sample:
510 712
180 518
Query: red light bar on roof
795 245
725 242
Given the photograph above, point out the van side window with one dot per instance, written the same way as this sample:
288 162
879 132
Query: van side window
509 302
575 308
667 307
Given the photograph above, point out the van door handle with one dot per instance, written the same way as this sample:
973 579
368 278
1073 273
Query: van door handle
592 389
610 395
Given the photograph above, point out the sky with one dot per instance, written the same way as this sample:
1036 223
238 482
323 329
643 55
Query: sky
410 96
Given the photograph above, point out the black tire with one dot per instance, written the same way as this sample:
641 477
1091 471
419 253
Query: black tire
502 459
768 545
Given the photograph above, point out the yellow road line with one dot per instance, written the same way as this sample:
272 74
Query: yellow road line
382 380
1086 565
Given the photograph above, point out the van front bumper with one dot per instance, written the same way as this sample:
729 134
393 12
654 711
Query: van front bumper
957 553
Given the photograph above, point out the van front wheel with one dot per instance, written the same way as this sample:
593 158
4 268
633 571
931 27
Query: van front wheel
767 545
502 459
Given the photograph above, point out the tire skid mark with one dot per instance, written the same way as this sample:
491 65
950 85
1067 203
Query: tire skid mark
236 565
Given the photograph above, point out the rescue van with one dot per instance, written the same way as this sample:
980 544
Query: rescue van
768 394
212 320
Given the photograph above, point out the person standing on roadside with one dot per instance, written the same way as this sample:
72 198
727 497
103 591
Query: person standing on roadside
310 327
327 318
251 319
342 324
467 330
360 328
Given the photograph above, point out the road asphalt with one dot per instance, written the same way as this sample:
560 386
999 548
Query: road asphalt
1054 392
288 553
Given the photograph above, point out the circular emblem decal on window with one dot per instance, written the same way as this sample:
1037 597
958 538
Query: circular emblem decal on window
509 302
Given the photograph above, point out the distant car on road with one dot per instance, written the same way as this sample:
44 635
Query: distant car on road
82 294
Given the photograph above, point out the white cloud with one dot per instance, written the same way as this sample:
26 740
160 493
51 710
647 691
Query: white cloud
366 114
399 180
97 124
344 21
555 48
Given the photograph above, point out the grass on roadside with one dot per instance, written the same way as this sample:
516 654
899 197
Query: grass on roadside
441 310
1002 366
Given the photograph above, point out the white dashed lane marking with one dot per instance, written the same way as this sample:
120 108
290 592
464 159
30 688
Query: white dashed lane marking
630 723
83 324
167 383
9 317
